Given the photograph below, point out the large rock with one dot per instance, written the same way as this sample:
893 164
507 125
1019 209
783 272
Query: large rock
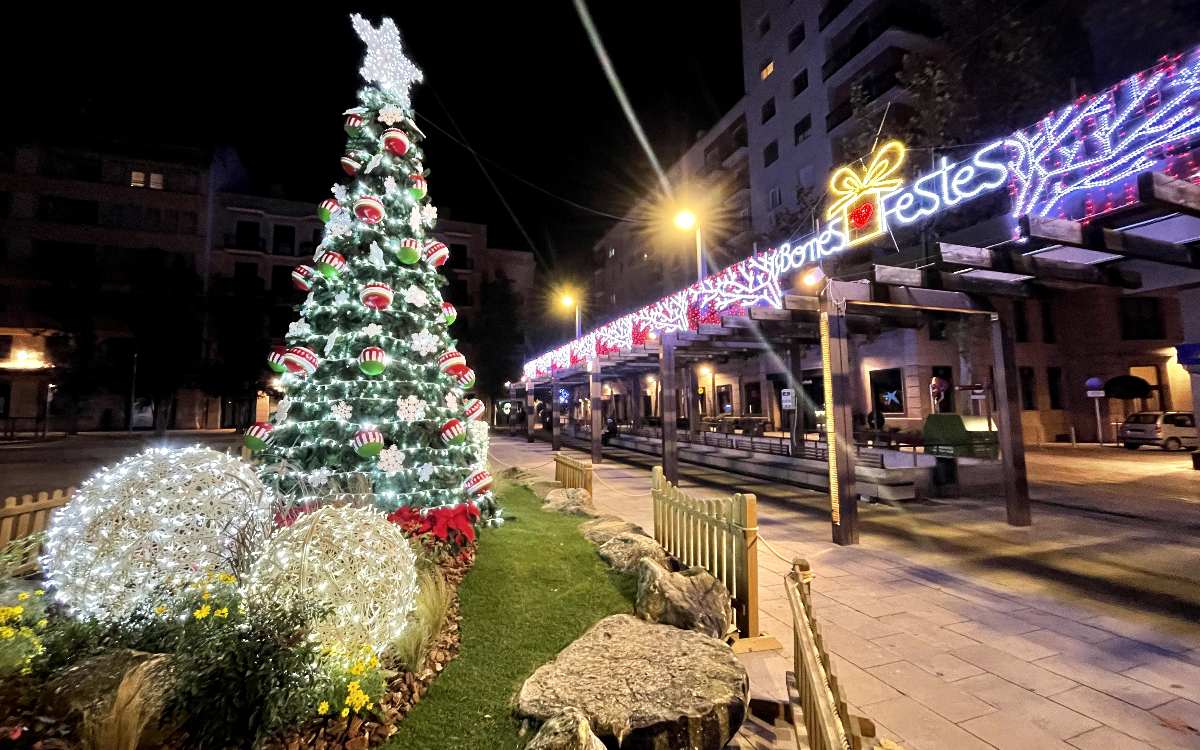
542 487
600 530
572 500
570 730
644 686
120 696
624 551
692 599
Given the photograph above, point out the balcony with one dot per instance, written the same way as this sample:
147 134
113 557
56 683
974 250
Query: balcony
832 10
250 244
915 20
873 86
736 157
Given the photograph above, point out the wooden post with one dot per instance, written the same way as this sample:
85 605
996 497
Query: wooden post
749 522
596 399
795 379
636 401
693 400
1008 411
555 429
839 427
669 401
530 416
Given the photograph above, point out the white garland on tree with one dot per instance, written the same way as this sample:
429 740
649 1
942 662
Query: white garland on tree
351 559
479 442
148 526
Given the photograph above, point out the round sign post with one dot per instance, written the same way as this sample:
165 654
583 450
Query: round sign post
1095 391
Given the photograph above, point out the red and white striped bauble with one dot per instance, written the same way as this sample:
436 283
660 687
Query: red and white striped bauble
478 483
369 209
354 123
376 295
302 277
447 361
327 208
257 437
372 360
301 360
331 264
453 432
410 251
396 141
417 187
367 443
436 253
353 161
449 312
275 360
464 377
473 409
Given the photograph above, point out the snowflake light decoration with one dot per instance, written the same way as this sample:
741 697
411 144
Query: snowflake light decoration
385 63
451 401
351 559
281 409
389 185
429 214
298 328
342 411
319 477
414 220
424 343
416 296
410 408
372 329
339 225
391 460
375 256
340 194
425 471
149 525
391 114
341 297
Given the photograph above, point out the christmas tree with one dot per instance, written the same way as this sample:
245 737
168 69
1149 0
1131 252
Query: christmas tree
376 393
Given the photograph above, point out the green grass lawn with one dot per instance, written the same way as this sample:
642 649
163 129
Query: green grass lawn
537 585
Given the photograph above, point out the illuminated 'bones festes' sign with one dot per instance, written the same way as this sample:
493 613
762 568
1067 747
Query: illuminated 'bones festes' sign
1076 162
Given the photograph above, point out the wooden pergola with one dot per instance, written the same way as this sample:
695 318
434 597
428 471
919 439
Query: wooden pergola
1049 254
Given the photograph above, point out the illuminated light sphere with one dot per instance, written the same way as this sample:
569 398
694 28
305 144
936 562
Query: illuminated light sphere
154 521
351 559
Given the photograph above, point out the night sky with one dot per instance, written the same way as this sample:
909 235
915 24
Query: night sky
521 83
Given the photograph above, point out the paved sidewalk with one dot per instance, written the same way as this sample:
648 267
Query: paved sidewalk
944 662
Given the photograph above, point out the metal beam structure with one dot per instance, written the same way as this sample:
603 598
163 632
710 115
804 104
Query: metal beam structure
668 403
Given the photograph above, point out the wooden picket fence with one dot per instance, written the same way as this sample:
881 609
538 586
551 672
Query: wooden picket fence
572 473
816 708
28 516
721 536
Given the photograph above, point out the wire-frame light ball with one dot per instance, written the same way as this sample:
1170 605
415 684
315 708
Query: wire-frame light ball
352 560
148 526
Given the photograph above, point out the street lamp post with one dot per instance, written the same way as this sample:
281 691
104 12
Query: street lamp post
569 301
686 220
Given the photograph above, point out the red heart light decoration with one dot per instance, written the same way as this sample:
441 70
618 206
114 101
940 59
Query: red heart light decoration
861 214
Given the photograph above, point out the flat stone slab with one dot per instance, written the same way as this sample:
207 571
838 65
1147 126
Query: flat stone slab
600 530
644 686
624 551
570 730
570 500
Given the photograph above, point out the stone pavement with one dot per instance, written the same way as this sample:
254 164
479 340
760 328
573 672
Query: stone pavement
943 661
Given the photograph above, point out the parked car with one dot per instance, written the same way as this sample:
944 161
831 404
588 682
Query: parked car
1169 430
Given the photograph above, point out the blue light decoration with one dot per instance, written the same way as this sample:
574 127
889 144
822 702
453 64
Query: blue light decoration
564 396
1077 162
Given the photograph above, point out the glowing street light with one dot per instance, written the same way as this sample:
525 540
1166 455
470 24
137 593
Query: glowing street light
568 301
685 220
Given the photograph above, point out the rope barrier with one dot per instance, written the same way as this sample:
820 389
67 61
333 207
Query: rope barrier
492 456
615 489
772 550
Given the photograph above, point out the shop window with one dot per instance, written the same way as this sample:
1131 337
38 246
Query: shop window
725 399
1028 388
1141 318
753 398
887 391
1054 386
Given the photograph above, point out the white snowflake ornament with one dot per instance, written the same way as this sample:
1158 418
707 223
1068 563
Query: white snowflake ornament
342 411
319 477
414 221
375 256
385 62
391 460
451 401
389 185
341 298
372 329
390 114
416 296
429 214
425 471
281 410
339 225
424 343
374 162
340 194
410 408
298 328
331 341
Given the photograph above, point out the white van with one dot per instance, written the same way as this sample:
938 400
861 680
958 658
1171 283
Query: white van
1169 430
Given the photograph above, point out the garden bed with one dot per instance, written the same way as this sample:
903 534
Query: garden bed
536 586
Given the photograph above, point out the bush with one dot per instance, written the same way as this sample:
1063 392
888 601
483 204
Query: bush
22 622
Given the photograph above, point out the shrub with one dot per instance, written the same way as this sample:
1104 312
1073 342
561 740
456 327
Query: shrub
22 622
424 622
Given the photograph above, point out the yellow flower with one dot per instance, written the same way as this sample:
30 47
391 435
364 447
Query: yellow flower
226 578
203 612
345 712
160 610
43 622
7 632
206 596
223 612
323 708
22 596
39 592
10 613
357 668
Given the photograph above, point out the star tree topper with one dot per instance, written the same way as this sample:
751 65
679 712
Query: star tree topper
385 62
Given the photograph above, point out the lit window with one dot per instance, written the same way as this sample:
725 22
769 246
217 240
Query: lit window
137 179
767 69
156 182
